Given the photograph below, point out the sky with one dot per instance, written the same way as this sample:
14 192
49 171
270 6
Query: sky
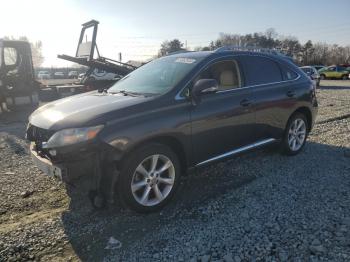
136 28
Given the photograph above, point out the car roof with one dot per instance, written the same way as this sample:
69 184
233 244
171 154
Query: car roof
191 54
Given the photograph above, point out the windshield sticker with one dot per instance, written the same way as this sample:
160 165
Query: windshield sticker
185 60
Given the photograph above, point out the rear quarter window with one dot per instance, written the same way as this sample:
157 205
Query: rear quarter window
289 74
260 70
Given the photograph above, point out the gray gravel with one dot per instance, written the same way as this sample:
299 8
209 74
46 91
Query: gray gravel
261 206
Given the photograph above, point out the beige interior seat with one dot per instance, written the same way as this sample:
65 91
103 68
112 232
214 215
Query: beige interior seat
228 80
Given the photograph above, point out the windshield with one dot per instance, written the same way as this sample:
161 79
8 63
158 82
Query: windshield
156 77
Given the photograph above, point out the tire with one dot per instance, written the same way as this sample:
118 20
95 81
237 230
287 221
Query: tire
147 184
323 77
344 77
290 132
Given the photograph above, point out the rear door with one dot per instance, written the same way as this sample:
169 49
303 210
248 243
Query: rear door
270 95
222 121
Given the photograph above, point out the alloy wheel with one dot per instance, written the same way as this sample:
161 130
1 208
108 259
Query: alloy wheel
296 134
153 180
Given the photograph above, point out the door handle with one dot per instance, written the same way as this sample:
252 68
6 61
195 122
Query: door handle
245 102
290 93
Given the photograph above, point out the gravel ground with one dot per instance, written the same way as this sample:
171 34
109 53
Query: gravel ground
260 206
334 101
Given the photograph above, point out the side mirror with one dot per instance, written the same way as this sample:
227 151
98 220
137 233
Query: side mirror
203 86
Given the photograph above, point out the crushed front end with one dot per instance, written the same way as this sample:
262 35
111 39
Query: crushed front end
81 166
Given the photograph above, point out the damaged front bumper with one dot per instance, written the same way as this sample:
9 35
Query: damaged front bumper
81 165
46 166
87 170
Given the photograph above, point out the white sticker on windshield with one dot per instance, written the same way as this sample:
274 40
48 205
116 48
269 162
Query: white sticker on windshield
185 60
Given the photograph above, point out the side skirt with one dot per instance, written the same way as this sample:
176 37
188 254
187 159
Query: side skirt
238 150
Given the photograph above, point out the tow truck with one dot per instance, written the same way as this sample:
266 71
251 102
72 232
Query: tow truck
18 85
86 55
17 81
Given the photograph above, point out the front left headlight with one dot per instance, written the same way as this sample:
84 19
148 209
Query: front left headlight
72 136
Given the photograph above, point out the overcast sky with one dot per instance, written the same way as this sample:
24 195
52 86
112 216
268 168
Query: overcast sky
136 28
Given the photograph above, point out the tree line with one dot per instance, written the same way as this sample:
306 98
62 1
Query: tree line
303 54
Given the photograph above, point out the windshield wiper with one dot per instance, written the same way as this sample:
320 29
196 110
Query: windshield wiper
126 93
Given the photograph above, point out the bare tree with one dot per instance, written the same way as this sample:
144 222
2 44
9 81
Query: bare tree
168 47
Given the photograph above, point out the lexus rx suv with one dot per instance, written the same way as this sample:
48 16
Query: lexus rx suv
175 114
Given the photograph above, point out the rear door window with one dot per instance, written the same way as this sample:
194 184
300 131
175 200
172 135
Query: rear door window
260 70
289 74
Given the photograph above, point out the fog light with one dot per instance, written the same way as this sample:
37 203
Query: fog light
53 152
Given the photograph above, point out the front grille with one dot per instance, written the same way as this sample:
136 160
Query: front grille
37 134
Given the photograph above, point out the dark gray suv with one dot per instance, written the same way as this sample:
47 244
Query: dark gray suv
171 116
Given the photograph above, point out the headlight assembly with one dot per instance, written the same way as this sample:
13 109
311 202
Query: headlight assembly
72 136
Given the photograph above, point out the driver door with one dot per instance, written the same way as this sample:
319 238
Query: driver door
222 121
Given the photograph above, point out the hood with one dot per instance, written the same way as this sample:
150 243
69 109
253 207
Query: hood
83 110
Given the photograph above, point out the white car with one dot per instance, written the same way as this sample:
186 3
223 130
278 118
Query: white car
99 74
73 74
59 75
44 75
312 73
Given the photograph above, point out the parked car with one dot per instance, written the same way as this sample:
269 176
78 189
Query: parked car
171 116
312 73
44 75
59 75
81 76
334 72
73 74
99 74
318 67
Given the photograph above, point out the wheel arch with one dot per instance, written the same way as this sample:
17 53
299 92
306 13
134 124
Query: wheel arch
172 142
307 113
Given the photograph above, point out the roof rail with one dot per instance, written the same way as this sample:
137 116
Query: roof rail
276 52
250 49
178 52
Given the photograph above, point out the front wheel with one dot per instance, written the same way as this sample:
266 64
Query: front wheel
295 134
344 77
323 77
149 178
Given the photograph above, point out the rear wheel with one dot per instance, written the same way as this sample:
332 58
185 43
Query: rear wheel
344 77
149 178
295 134
323 77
